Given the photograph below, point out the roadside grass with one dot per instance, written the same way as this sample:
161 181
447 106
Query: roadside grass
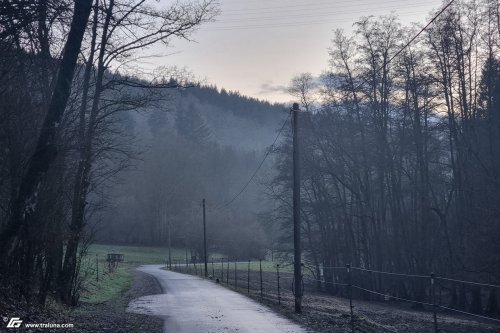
112 283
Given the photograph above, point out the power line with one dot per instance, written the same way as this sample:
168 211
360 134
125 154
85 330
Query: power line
308 19
295 24
422 30
411 41
321 10
305 7
284 123
256 170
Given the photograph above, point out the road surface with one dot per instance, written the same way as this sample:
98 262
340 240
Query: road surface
194 305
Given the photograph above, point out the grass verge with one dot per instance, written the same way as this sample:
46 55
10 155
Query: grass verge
102 284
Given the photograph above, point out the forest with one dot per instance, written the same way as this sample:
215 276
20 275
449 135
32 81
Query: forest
69 81
205 145
400 156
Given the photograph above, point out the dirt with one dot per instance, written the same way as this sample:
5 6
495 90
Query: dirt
112 316
106 317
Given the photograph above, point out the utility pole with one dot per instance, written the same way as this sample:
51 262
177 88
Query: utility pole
169 245
297 269
205 239
185 245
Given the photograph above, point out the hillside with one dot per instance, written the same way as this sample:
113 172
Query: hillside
202 143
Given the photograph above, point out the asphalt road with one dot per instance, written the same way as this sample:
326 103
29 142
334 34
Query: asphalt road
191 305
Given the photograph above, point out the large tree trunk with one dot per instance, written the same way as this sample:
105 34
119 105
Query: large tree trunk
82 176
16 235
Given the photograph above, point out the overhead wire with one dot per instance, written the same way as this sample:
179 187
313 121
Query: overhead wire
222 27
363 81
268 152
286 120
434 18
304 7
422 30
338 10
277 13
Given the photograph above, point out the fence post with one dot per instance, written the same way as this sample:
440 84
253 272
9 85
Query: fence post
260 269
97 267
278 275
235 275
213 271
248 277
349 286
434 306
222 270
227 272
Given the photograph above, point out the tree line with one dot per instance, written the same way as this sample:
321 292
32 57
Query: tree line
401 157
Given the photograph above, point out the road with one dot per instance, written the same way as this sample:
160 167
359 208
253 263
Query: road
191 304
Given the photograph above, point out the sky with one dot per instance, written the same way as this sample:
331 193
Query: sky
257 46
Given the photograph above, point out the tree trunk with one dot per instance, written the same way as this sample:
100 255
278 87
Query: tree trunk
16 233
82 177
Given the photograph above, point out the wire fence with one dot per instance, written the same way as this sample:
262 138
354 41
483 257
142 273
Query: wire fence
275 283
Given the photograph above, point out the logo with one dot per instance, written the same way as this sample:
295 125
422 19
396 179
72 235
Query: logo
14 322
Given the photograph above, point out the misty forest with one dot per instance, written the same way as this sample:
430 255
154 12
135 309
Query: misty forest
397 143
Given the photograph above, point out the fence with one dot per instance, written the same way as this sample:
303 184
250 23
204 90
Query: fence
276 283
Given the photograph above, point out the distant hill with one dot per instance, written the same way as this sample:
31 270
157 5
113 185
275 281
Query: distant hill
231 118
201 143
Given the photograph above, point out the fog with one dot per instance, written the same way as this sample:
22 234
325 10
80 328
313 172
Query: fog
205 144
380 183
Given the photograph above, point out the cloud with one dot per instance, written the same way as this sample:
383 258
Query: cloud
268 88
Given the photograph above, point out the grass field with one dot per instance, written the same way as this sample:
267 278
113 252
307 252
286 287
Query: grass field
267 265
111 284
136 255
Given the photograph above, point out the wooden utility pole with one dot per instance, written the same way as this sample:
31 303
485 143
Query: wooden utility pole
297 269
185 245
169 244
205 240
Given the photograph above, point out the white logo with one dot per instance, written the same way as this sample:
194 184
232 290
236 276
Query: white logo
14 323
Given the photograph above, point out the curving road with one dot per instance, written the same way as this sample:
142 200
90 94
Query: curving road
191 305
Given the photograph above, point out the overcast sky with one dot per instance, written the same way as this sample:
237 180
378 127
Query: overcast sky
257 46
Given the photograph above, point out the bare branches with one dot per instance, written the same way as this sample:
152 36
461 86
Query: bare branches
137 25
